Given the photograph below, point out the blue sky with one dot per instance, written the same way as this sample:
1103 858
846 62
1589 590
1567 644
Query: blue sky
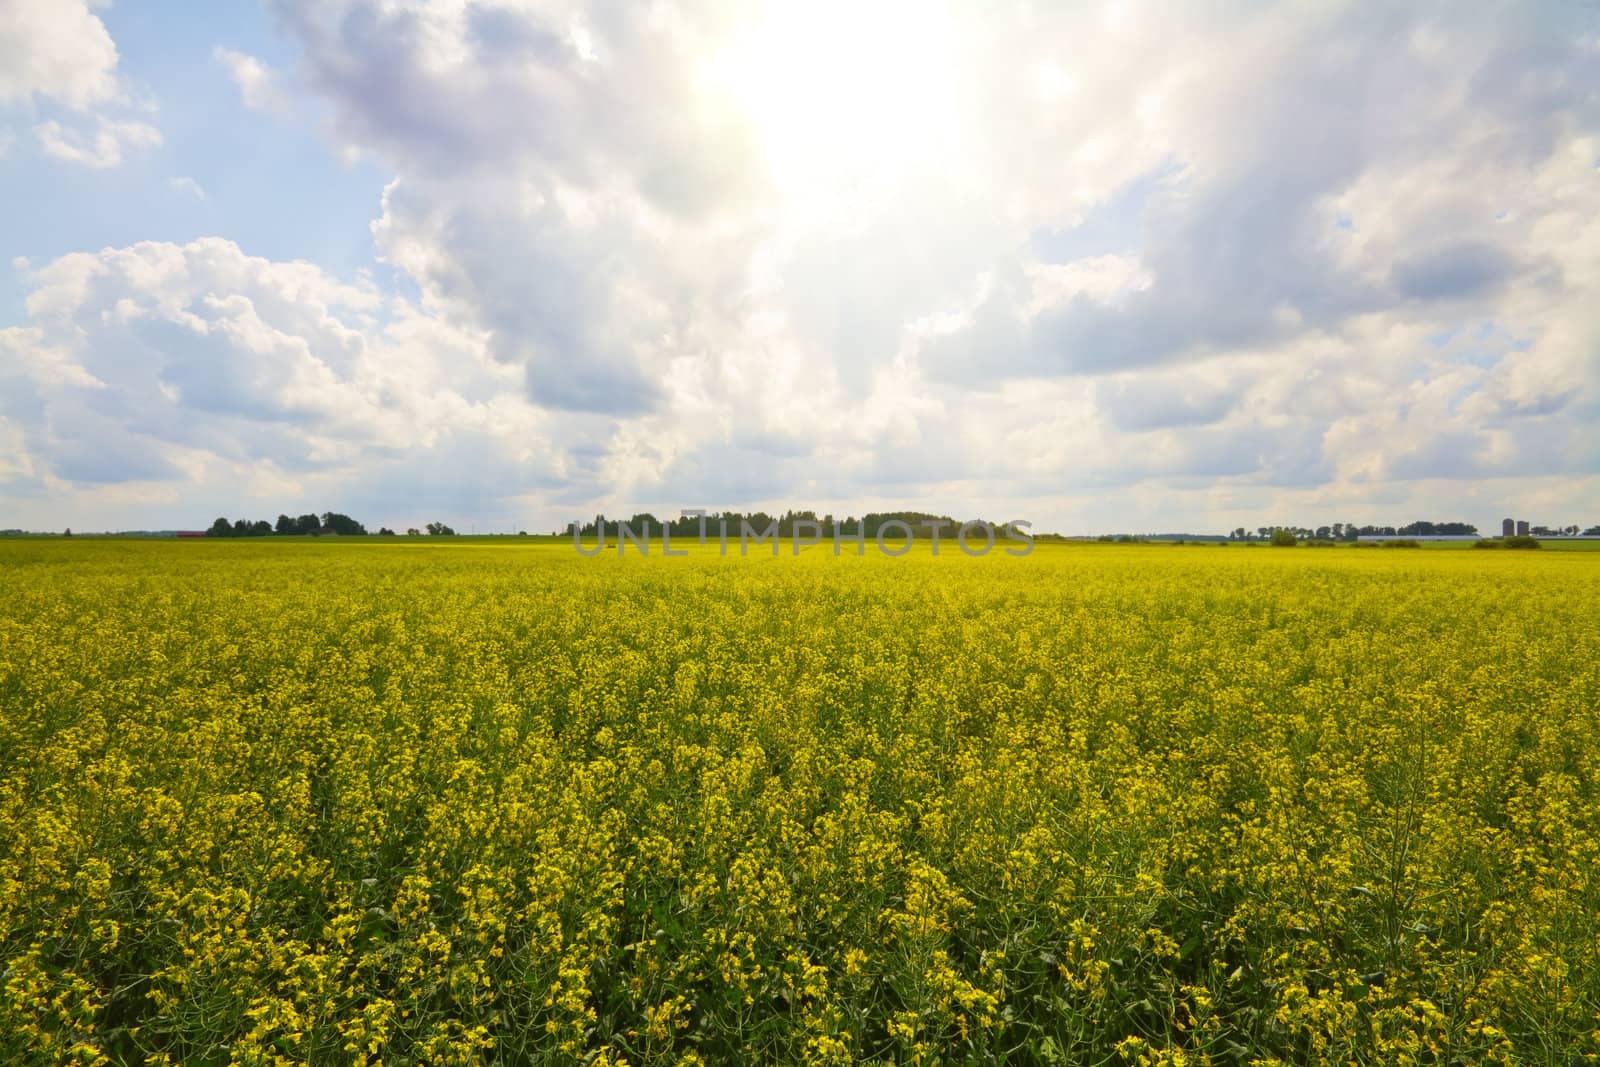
1119 266
271 184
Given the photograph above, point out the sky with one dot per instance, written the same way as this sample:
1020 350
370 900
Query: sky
1101 266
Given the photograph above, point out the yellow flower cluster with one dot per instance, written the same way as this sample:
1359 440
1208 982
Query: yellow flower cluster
489 803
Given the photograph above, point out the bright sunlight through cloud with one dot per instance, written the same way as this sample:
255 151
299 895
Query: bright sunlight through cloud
847 99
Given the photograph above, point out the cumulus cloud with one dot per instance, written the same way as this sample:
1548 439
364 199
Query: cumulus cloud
1155 402
1197 257
565 184
58 49
61 55
181 363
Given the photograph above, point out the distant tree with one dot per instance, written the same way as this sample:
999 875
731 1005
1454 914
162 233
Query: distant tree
307 524
68 533
285 526
412 531
241 527
261 528
1593 531
384 531
342 524
221 528
1282 538
1570 531
439 529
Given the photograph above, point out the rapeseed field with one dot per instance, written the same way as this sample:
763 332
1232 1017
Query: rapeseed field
498 803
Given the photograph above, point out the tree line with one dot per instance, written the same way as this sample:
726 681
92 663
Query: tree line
689 526
288 526
1564 531
1349 531
329 522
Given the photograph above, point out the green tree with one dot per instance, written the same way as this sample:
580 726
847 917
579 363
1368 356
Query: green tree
342 524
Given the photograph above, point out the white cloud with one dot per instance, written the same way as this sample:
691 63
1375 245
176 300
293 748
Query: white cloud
198 366
60 53
259 85
58 49
101 146
185 184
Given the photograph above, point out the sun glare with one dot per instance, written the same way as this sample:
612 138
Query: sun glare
845 94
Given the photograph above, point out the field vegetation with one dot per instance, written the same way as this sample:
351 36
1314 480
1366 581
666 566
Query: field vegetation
495 802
